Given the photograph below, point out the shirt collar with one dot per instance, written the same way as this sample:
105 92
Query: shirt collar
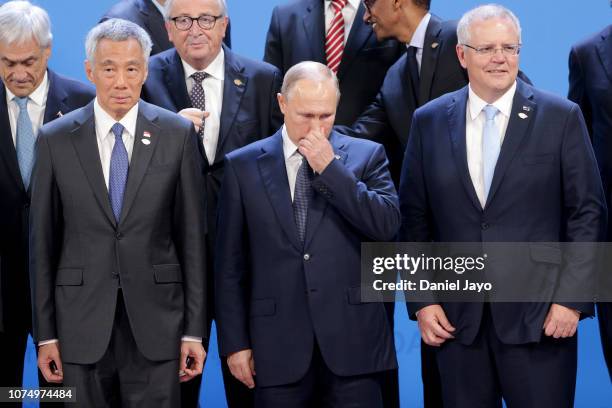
104 121
39 96
503 104
158 6
215 69
418 38
353 3
289 148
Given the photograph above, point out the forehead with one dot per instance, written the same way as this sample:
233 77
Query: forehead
195 7
493 30
314 94
20 49
118 51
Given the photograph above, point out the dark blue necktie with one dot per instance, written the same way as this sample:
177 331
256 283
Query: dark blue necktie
413 71
301 197
118 171
24 141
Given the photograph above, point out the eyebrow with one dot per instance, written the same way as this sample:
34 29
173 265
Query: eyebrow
10 61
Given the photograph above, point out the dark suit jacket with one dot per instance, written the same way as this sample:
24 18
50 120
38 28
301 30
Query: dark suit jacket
545 189
590 86
387 120
79 251
64 95
145 14
297 33
276 295
250 110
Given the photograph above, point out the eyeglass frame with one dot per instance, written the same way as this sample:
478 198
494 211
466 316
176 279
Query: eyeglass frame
483 50
192 19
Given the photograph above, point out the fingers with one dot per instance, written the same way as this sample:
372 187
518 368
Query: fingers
196 116
191 361
435 327
242 367
443 321
50 365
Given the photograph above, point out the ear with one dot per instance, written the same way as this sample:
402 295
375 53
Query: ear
224 22
169 30
282 102
89 71
461 55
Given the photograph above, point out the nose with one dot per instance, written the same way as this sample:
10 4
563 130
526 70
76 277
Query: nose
498 55
20 74
120 80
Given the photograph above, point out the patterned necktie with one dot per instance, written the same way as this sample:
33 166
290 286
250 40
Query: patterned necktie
301 197
118 171
197 96
334 39
490 147
25 141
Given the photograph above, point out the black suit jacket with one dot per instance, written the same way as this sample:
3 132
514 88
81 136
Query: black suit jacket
250 109
545 190
277 295
297 33
145 14
590 86
64 96
80 253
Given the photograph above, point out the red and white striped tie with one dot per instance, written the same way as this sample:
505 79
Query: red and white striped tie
334 40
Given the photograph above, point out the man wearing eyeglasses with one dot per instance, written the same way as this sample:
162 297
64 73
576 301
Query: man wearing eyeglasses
232 102
501 161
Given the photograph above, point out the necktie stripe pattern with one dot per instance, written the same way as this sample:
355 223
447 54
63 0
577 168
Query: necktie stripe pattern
490 147
197 96
25 141
301 197
334 39
118 171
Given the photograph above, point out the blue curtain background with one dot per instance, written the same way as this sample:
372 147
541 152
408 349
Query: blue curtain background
549 29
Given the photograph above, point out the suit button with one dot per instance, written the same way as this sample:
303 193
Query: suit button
484 225
306 257
118 235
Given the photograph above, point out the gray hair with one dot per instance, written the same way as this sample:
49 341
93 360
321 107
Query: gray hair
482 13
21 21
117 29
170 3
311 70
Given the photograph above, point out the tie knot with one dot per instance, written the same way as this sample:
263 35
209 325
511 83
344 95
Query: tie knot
490 112
22 102
117 130
338 5
199 76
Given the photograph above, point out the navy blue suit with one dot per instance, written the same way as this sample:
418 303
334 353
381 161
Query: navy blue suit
281 298
146 15
590 84
64 96
297 33
250 112
545 188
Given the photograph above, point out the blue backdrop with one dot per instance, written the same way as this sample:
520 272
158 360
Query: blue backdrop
549 29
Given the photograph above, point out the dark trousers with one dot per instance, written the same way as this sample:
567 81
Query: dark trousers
535 375
390 379
12 348
321 388
604 314
236 393
124 378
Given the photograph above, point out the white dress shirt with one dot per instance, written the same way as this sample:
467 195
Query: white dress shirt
474 127
293 160
213 92
418 38
36 107
348 12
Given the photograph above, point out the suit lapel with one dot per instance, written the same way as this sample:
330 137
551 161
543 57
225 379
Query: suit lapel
141 156
456 126
7 146
358 37
314 27
429 59
154 22
517 130
273 173
174 76
86 147
56 99
604 49
234 86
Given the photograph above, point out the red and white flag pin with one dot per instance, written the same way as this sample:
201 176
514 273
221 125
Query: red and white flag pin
146 134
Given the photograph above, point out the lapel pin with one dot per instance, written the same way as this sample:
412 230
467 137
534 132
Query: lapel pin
337 156
145 142
59 114
522 115
434 45
146 134
238 82
526 108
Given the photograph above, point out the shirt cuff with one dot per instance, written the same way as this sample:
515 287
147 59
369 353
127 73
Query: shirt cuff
191 338
45 342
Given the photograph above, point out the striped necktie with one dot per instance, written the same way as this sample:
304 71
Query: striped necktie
334 39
